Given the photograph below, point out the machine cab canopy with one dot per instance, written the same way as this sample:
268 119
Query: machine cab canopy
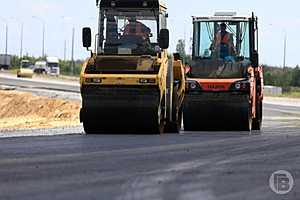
129 3
223 41
130 27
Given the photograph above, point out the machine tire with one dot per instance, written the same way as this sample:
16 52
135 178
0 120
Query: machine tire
257 122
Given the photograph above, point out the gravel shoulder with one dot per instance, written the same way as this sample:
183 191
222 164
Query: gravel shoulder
22 110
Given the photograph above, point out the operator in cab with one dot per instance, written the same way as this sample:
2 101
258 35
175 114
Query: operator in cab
136 28
139 34
223 46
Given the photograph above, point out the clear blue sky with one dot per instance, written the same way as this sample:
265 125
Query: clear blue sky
275 17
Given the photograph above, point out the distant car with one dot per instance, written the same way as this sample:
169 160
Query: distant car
40 67
26 69
53 66
50 66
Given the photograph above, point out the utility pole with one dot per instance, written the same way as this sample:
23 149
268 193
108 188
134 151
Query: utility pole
44 30
6 37
72 62
284 51
65 22
21 41
6 40
65 50
43 33
21 24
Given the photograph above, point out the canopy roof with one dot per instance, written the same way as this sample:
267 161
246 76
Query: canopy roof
220 19
130 3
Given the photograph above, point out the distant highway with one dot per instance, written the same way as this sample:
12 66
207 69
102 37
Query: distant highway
38 83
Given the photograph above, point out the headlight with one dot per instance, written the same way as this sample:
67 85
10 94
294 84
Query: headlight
241 86
237 86
145 4
193 85
147 81
113 4
93 80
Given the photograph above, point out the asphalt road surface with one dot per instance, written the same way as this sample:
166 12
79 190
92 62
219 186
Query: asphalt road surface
202 166
64 163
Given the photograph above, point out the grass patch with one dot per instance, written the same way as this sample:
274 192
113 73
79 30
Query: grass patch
291 94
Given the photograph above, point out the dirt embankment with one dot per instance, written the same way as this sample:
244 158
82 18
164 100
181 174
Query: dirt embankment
25 111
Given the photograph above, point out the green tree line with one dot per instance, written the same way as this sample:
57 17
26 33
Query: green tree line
282 77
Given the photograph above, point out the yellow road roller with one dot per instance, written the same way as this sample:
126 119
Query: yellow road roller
130 83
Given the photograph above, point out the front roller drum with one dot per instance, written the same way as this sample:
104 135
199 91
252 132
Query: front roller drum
119 110
145 123
217 112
